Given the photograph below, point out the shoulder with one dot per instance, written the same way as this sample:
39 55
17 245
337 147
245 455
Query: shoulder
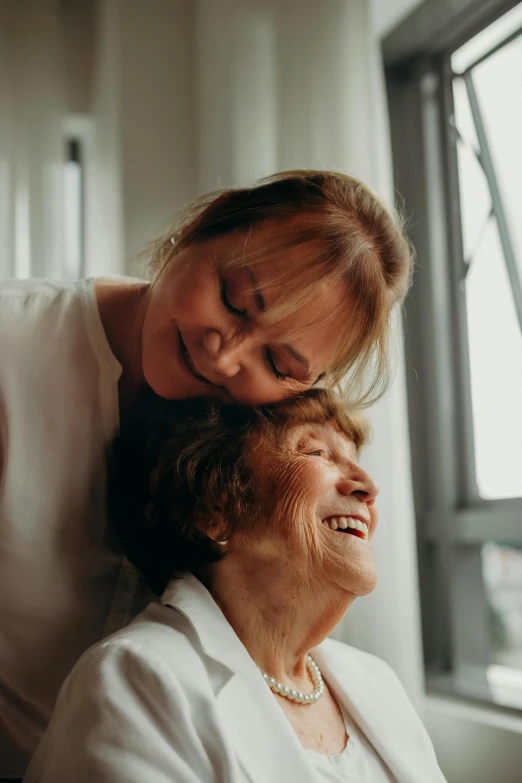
373 666
44 323
334 648
16 289
35 317
158 648
160 631
135 707
26 296
353 665
26 306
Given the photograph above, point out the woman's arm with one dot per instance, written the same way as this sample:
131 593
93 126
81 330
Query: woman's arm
122 716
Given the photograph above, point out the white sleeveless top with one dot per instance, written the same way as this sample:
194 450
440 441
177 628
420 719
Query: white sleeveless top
58 569
358 763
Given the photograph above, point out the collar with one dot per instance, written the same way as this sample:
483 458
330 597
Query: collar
363 684
217 637
248 712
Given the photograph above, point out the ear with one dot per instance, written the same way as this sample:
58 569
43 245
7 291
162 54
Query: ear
215 529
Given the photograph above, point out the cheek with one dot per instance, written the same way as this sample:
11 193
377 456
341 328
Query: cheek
186 294
291 495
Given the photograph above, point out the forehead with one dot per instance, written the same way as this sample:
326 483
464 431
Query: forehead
276 252
316 324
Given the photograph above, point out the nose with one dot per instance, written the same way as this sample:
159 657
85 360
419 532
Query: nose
223 354
356 481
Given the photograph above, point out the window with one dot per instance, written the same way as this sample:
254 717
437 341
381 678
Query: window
73 212
454 78
487 131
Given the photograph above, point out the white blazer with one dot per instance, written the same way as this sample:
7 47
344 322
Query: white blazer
176 698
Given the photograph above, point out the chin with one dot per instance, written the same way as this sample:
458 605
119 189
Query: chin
166 388
364 584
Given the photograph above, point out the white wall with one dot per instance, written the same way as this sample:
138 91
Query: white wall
388 13
475 744
143 167
157 114
236 92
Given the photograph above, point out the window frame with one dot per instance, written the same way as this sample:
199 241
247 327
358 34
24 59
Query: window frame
78 145
453 522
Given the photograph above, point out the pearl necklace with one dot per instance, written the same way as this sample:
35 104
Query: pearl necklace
297 696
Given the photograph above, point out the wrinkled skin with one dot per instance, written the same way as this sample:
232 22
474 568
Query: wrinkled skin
316 475
285 587
297 574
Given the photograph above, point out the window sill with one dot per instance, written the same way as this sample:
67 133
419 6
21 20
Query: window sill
462 698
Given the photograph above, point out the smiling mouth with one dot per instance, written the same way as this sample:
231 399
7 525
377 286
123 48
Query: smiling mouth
350 525
188 361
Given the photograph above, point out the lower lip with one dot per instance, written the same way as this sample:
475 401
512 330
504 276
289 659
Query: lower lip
184 363
346 535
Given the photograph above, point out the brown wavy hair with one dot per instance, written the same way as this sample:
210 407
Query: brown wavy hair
347 236
181 468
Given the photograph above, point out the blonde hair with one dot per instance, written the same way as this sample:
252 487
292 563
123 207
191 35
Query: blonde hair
346 236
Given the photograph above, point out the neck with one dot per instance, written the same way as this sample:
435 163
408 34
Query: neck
122 309
279 617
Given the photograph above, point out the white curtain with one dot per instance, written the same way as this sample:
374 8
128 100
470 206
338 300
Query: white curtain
31 151
299 83
60 76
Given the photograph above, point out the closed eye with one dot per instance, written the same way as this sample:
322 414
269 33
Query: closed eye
243 314
226 302
269 361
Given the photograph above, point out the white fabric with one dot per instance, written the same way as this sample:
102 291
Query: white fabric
32 97
58 412
358 763
176 697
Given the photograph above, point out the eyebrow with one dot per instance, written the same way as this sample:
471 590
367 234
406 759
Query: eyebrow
258 296
261 305
298 356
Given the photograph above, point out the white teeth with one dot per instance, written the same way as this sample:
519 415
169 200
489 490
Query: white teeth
335 523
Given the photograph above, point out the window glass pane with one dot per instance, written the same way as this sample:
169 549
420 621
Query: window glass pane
495 347
463 117
502 572
72 220
487 39
498 83
475 199
494 327
73 213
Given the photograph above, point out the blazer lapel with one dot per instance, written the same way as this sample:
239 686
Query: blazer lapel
382 713
266 746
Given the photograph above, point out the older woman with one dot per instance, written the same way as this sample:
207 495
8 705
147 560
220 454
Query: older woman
264 518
